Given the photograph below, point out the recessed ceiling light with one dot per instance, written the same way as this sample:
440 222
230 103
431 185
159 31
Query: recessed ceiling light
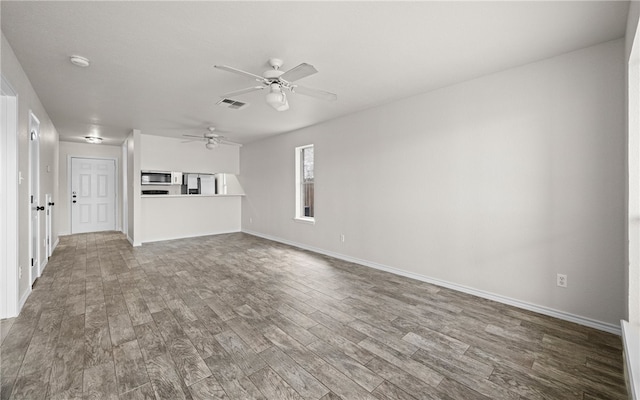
79 61
93 139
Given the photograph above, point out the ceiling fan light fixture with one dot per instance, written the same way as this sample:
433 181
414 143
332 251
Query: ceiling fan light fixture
212 142
277 99
79 61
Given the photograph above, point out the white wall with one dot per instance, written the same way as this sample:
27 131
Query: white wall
495 184
633 163
28 101
631 327
70 149
170 154
132 146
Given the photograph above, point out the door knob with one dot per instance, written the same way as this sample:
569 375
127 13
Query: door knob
52 204
39 208
74 202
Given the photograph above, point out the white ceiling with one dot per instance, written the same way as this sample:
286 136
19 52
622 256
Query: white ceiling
152 61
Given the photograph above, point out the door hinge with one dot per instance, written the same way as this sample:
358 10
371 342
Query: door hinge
31 199
32 262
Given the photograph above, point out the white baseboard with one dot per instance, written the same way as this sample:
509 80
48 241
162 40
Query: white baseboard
42 267
55 244
631 344
190 236
23 299
132 243
603 326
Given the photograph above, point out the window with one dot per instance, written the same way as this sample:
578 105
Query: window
304 183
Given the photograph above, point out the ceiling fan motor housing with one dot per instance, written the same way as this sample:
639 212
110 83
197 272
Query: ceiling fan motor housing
276 63
272 74
210 134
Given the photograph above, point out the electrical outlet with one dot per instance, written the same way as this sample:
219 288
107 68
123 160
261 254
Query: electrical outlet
250 220
20 272
561 280
342 237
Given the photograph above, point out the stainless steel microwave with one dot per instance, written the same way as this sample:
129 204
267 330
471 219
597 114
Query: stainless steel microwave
156 178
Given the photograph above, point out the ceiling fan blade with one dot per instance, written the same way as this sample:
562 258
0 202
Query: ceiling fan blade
193 136
240 72
243 91
227 142
318 94
299 72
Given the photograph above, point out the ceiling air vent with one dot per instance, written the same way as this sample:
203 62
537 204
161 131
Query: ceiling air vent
234 104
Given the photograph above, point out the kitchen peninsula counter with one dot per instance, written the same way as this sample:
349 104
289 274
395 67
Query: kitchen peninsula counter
175 216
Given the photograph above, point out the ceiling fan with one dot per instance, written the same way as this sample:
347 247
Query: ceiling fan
211 138
278 82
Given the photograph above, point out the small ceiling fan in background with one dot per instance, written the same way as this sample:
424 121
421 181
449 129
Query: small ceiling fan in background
278 82
211 138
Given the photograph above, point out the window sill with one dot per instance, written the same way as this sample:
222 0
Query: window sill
303 220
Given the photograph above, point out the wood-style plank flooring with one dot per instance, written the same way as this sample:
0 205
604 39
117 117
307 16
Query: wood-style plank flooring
239 317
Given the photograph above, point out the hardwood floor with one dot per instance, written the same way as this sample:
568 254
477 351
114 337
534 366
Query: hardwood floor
238 317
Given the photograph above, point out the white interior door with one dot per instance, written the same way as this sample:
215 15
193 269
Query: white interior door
93 195
34 198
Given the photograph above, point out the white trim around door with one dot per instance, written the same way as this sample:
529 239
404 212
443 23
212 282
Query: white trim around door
34 197
70 190
9 269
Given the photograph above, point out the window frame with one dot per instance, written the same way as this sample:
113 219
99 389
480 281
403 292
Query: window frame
299 166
